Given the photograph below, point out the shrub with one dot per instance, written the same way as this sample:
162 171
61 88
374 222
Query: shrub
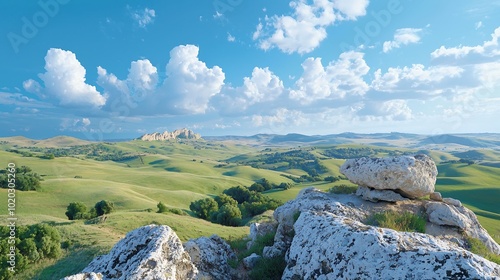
204 207
228 215
224 199
34 243
104 207
76 211
343 189
398 221
238 193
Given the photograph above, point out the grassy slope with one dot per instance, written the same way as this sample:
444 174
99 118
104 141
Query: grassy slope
177 174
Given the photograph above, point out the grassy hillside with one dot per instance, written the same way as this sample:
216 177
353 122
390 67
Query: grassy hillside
177 173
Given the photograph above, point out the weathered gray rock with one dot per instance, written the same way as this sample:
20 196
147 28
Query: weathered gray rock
378 195
327 246
149 252
250 261
411 176
260 229
307 199
85 276
444 214
211 257
436 196
452 201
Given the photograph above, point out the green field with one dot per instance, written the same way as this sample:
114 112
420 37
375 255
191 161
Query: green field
179 173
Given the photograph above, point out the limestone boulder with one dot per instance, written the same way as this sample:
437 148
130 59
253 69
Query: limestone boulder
378 195
85 276
411 176
211 257
444 214
149 252
327 246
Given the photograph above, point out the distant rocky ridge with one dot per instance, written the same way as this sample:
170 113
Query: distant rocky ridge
324 236
183 133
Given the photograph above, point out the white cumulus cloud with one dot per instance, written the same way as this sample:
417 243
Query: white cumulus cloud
487 49
305 29
336 80
416 77
403 36
190 83
64 79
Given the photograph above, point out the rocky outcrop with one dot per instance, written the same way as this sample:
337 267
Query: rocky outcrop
176 134
250 261
411 176
327 246
323 236
462 218
308 199
85 276
211 257
378 195
150 252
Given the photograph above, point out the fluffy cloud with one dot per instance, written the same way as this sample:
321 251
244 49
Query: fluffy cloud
391 110
338 79
415 78
306 28
64 79
262 86
190 83
281 116
403 36
144 17
487 49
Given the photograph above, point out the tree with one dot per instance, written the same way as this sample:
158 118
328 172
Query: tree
238 193
162 208
285 186
76 210
224 199
229 215
104 207
256 187
266 184
204 207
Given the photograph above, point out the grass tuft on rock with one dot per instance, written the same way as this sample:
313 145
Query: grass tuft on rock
406 221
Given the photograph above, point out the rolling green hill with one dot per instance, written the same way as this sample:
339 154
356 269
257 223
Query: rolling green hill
179 172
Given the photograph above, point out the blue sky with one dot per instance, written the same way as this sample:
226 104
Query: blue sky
117 69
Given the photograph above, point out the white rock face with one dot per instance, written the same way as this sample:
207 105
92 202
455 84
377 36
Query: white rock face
444 214
210 255
85 276
307 199
260 229
452 201
377 195
149 252
327 246
176 134
411 176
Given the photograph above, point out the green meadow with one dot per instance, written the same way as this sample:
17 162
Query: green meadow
177 173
